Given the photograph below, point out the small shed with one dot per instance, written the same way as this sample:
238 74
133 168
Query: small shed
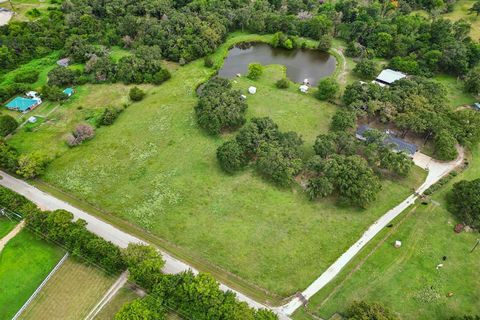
243 96
64 62
389 76
306 82
304 88
32 94
252 90
32 119
69 91
398 243
476 106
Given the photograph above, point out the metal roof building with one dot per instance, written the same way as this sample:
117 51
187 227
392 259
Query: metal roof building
23 104
389 76
397 144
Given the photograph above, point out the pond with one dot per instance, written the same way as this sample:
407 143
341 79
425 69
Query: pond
301 63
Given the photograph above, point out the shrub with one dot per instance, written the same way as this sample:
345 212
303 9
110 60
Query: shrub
161 76
109 116
327 89
208 62
53 93
136 94
8 124
81 133
8 157
32 164
464 202
364 310
231 156
366 69
325 42
62 77
30 76
255 71
282 83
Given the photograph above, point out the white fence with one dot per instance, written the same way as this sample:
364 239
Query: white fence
44 282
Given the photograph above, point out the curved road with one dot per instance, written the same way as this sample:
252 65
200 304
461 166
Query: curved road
436 170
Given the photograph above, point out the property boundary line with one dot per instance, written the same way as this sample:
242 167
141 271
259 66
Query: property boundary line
40 287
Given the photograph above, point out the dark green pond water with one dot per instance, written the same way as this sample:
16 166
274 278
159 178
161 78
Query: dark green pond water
301 63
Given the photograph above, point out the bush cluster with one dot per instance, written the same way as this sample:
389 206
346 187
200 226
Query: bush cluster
82 132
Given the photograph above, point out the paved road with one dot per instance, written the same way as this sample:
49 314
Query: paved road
101 228
436 171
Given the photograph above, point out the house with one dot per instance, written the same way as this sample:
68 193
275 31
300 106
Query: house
252 90
476 106
303 88
23 104
397 144
64 62
69 92
388 76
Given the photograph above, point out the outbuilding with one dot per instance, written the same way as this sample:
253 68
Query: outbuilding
32 119
476 106
64 62
389 76
69 92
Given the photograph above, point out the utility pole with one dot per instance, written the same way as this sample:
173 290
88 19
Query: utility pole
475 246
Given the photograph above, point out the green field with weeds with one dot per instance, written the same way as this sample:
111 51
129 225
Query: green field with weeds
71 293
155 168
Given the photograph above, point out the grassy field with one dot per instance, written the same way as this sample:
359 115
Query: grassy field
123 296
406 280
155 168
460 11
6 225
71 293
24 264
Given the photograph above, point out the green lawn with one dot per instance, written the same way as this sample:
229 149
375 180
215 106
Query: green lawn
21 7
155 168
6 225
72 292
24 264
405 279
123 296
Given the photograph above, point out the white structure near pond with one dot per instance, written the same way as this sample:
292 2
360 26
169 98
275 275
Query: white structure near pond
252 90
32 119
389 76
304 88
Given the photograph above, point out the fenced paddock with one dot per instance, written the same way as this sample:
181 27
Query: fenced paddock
71 293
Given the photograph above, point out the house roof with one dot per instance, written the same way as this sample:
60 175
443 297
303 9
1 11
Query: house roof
390 140
21 104
477 105
389 76
63 62
68 91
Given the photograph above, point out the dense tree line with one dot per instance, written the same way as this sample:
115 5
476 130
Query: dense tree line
28 165
220 107
192 296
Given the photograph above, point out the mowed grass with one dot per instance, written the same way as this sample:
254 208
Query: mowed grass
6 225
157 169
124 295
24 263
71 293
21 7
406 280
